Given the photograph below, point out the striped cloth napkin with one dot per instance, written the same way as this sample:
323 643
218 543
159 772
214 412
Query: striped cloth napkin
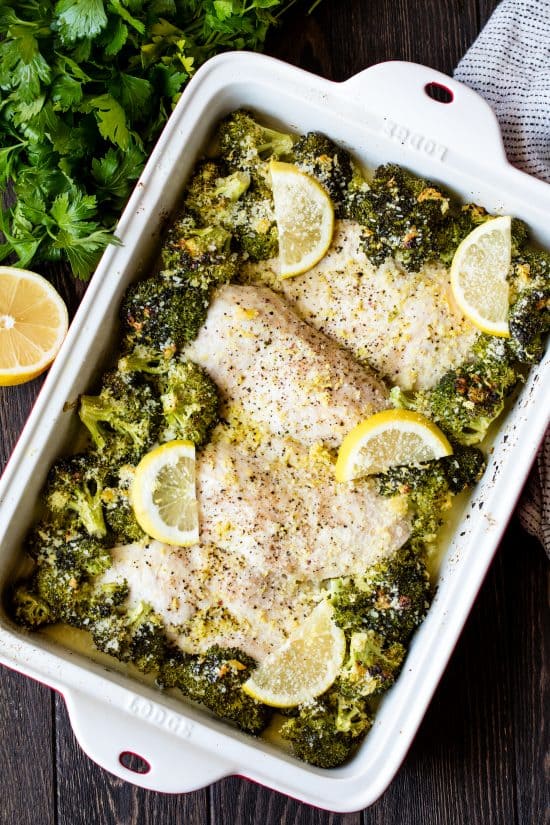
509 65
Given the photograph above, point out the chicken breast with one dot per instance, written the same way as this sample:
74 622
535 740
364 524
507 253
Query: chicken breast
274 525
289 378
405 326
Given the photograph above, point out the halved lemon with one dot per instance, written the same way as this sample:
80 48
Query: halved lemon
479 276
163 494
305 218
33 324
388 439
304 667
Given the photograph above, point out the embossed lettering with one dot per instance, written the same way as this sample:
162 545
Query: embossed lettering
160 717
416 140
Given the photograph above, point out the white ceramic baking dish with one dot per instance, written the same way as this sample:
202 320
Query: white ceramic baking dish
382 114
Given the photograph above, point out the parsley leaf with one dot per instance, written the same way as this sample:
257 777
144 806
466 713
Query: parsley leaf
87 86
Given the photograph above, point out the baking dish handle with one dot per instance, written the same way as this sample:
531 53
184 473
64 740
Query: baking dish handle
429 111
161 756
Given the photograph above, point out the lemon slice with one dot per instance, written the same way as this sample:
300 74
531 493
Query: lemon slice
387 439
33 324
305 218
163 494
304 666
479 276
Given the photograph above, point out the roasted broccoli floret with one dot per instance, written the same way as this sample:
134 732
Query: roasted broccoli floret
63 544
137 636
529 318
75 484
164 312
141 358
247 146
254 225
189 402
463 468
467 399
214 679
401 214
371 665
92 602
29 609
430 487
117 508
225 206
211 195
73 599
200 256
147 641
123 419
110 635
325 731
318 156
188 396
391 598
458 223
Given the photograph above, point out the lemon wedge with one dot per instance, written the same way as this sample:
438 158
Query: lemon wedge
305 218
304 667
163 494
479 276
33 324
387 439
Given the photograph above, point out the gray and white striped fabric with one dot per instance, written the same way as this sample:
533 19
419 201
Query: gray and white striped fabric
509 65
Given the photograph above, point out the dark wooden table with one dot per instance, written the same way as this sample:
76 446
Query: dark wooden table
479 754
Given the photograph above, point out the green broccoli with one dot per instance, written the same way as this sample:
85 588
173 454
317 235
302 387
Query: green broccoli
458 223
247 147
224 207
200 256
466 400
75 484
29 609
325 731
188 396
117 509
147 641
65 545
255 227
318 156
401 214
141 358
110 635
211 196
92 602
72 598
137 636
529 318
214 679
430 487
391 598
164 312
123 419
371 666
189 402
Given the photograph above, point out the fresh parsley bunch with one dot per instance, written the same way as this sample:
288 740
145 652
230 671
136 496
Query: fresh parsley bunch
86 86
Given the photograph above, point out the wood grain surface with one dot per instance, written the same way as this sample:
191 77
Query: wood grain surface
479 756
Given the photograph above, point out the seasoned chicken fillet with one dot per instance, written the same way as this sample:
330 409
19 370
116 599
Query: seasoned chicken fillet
402 324
288 377
274 525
